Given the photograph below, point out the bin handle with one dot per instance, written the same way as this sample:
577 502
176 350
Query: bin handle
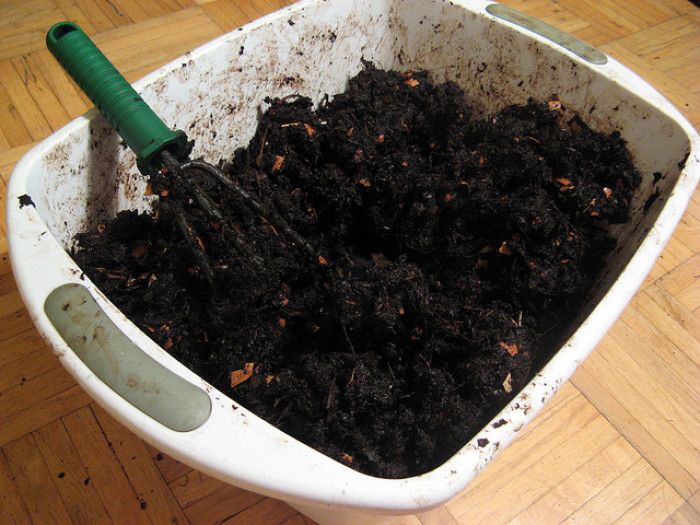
565 40
121 364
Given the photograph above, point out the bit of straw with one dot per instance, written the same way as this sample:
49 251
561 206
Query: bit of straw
508 383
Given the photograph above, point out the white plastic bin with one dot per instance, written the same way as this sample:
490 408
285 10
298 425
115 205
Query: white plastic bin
80 175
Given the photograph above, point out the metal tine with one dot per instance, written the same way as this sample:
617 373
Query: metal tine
208 206
243 249
202 199
198 254
274 219
205 202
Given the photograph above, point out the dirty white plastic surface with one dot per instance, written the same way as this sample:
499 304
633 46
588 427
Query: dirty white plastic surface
81 175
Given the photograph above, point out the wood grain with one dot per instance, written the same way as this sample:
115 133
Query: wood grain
102 468
617 444
12 507
35 482
151 490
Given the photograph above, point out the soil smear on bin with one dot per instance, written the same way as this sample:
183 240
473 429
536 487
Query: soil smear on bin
447 257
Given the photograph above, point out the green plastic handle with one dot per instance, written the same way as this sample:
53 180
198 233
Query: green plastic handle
134 120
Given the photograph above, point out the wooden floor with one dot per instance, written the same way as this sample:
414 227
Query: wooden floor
618 443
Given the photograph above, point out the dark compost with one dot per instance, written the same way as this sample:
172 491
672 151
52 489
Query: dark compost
446 257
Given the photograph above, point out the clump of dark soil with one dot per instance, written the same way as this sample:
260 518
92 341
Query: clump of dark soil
447 257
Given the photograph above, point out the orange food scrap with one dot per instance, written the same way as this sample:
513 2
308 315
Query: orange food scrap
282 322
504 250
268 379
482 264
608 193
512 349
412 82
322 260
310 131
402 311
380 139
566 184
139 250
149 189
347 458
364 182
165 193
416 333
241 376
279 161
285 301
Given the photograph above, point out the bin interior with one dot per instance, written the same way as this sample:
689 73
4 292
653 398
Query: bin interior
215 92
